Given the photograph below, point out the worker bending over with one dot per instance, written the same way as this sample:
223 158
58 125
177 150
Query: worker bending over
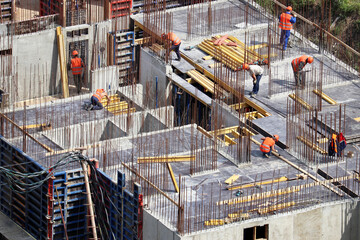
268 145
175 43
286 21
96 100
76 67
255 72
298 65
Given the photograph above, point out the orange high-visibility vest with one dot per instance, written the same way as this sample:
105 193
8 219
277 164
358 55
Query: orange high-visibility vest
76 66
175 39
285 23
267 144
296 62
99 94
333 142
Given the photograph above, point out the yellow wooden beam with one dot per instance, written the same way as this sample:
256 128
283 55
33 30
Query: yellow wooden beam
72 149
300 101
224 131
324 96
257 46
207 57
357 119
31 126
259 196
141 41
238 106
203 131
322 140
235 134
229 140
172 177
166 159
308 143
275 207
281 179
214 222
62 60
247 131
239 215
224 85
232 179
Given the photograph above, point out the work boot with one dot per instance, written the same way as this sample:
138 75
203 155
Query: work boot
266 155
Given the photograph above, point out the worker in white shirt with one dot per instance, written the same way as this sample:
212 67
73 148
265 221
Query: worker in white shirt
255 72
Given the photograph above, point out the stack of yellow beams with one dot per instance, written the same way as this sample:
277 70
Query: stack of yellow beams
156 48
202 80
116 106
231 56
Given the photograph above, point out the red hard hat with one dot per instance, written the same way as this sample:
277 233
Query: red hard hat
75 53
289 8
245 66
310 59
276 137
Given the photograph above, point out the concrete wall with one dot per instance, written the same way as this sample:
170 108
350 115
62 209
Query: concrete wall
155 230
83 134
106 78
36 65
150 68
336 221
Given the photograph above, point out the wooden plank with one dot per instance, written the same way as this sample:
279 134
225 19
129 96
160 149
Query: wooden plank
281 179
207 57
275 207
224 130
166 159
300 101
72 149
62 60
232 179
324 96
172 177
229 140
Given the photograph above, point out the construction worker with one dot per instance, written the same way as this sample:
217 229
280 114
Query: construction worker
298 65
96 100
268 145
255 72
76 67
286 20
175 43
333 145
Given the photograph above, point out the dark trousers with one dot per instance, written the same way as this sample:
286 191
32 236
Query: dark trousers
256 85
78 82
268 153
284 38
176 49
96 103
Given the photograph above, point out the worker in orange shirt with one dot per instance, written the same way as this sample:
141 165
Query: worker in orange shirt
76 67
96 100
286 21
268 145
298 65
175 43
